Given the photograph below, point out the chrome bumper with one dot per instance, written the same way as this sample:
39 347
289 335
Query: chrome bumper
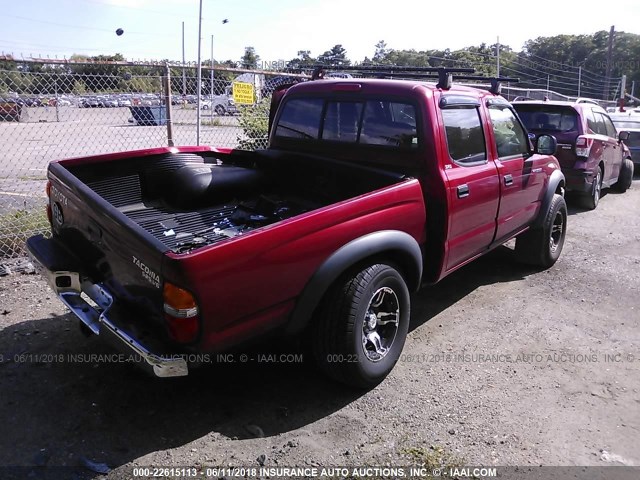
69 288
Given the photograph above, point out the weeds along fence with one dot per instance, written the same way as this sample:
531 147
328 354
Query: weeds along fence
56 111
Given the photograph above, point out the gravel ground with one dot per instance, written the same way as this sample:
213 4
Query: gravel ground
504 365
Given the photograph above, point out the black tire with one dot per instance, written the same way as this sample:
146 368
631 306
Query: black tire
542 246
625 177
205 107
220 110
591 200
345 329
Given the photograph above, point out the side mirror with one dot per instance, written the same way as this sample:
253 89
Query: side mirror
623 136
546 145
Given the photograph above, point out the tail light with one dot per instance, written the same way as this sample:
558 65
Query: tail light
583 146
181 313
47 191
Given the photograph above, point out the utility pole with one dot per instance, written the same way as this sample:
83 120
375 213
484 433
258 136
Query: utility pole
548 81
623 91
605 93
579 79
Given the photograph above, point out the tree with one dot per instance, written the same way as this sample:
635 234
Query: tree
381 53
337 56
250 59
302 61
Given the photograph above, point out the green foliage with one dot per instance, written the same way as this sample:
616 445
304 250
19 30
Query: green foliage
336 56
17 226
254 121
302 61
250 58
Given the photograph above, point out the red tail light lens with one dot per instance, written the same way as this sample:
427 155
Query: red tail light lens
181 313
583 146
47 191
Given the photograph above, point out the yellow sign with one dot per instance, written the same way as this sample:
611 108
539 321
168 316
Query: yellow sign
243 93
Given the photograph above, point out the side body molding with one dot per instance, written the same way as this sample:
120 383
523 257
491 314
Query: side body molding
395 246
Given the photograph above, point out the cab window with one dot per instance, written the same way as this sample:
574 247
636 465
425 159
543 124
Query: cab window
465 138
509 135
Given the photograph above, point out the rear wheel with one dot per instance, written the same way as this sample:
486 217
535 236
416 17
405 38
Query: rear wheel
220 110
361 326
626 176
542 246
593 198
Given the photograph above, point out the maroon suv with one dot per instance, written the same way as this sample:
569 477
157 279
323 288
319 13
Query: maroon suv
590 150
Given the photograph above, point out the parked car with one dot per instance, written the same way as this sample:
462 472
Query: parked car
630 122
221 104
89 102
366 192
590 149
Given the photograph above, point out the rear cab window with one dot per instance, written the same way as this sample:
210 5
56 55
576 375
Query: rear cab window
373 121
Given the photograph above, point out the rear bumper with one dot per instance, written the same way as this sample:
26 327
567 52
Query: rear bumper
580 181
62 271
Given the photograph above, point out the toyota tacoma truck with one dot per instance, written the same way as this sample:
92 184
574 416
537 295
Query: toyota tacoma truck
369 189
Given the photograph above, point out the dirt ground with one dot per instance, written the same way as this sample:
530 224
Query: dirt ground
504 365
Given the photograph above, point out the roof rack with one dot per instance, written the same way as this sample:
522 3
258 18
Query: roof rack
443 74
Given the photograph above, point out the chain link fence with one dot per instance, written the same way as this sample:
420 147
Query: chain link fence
61 110
57 111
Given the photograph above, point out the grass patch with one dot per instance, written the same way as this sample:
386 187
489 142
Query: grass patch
17 226
433 457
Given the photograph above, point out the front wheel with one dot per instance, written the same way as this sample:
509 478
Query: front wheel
220 110
542 246
360 328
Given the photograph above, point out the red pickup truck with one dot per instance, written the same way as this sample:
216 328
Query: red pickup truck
369 189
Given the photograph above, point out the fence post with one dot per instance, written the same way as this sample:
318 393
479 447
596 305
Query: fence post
55 87
167 101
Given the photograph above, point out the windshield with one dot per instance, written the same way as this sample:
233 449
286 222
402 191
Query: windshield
550 118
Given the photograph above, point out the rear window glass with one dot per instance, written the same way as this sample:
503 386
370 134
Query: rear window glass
371 122
301 118
549 118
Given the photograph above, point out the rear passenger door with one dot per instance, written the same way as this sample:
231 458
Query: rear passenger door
615 151
520 185
473 189
606 147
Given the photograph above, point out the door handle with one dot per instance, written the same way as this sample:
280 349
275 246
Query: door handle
508 179
463 191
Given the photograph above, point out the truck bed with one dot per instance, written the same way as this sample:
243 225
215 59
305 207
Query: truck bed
188 200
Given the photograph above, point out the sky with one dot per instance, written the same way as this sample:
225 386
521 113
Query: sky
277 29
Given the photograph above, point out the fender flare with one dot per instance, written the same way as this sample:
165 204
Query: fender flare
400 246
555 179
